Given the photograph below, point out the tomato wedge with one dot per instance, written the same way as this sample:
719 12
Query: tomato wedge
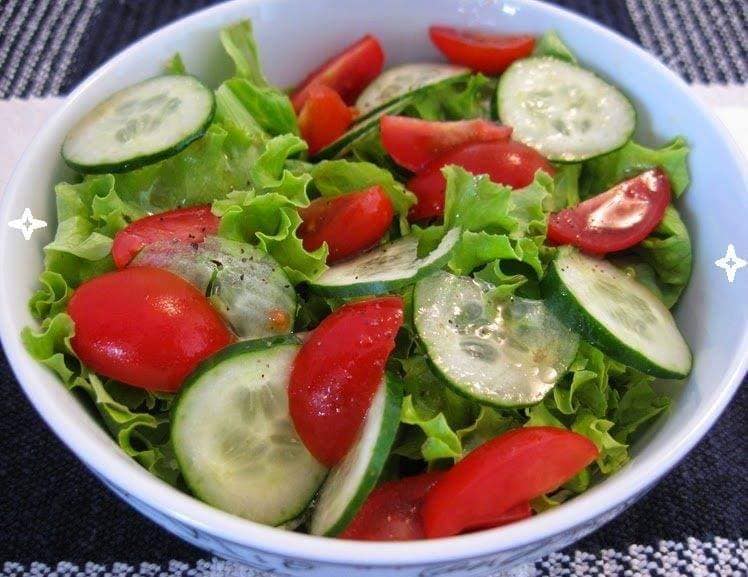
516 513
348 73
337 371
614 220
190 224
323 118
145 327
501 474
392 512
505 162
480 51
349 224
412 143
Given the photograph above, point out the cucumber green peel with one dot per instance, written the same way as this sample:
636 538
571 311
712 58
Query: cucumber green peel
351 480
616 314
234 439
140 125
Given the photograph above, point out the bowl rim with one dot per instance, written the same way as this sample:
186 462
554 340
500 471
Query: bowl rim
98 456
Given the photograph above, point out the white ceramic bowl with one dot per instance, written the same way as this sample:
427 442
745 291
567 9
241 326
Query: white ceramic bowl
294 35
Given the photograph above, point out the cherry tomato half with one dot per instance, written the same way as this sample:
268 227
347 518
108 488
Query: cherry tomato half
337 371
349 224
348 73
413 143
614 220
505 162
190 224
480 51
501 474
145 327
392 512
323 118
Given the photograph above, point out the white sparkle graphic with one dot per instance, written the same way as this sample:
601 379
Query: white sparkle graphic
27 224
730 263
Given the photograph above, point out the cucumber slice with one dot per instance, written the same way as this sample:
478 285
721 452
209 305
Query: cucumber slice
247 286
351 480
615 313
396 82
360 129
565 112
234 439
140 125
504 354
386 268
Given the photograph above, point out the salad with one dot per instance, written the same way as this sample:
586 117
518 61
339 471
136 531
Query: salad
391 304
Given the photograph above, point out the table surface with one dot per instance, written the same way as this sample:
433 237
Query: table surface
52 508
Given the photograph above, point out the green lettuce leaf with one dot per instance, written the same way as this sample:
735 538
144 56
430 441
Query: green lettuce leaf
335 177
89 214
52 297
457 100
489 423
550 44
668 251
431 412
239 43
270 107
638 405
602 400
243 131
440 441
613 454
175 65
601 173
138 420
206 170
267 214
566 186
663 261
588 387
499 224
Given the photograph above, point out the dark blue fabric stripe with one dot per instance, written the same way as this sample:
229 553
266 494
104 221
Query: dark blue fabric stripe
135 19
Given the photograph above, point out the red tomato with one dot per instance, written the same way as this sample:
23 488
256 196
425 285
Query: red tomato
516 513
145 327
190 224
501 474
505 162
337 371
348 73
412 143
393 511
614 220
348 224
480 51
323 118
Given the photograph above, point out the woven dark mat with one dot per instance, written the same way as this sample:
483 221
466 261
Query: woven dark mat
48 46
51 508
